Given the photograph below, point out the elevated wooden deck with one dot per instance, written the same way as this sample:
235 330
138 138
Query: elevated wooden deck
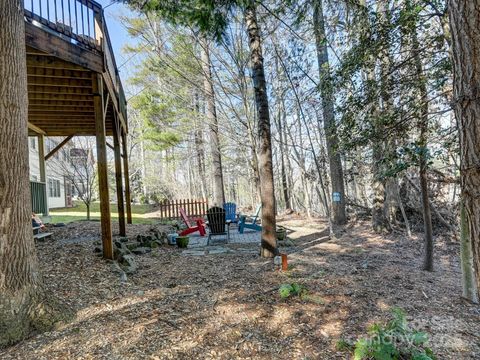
68 45
74 88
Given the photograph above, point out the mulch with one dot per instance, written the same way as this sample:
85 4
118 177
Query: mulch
227 306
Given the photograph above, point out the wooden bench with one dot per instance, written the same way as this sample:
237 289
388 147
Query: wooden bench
43 235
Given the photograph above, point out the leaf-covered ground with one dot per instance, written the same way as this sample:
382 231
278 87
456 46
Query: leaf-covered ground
227 306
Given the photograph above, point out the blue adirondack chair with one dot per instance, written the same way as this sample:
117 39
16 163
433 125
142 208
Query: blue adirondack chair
230 212
242 224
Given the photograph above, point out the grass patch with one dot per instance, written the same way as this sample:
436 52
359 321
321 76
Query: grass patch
79 212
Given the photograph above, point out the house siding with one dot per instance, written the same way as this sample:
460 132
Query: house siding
54 172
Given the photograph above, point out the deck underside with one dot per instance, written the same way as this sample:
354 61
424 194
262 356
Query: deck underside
60 86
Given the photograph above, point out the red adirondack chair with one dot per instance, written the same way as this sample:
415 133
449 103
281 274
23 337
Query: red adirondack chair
191 229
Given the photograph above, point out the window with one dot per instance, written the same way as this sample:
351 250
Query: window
54 188
34 178
33 143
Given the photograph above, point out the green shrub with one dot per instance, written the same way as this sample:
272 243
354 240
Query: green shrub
394 341
287 290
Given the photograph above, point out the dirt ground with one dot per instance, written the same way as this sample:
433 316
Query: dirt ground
227 306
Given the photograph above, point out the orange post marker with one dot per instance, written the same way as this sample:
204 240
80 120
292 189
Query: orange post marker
284 262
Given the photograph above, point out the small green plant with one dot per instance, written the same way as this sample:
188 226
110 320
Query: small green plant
182 241
344 345
394 341
287 290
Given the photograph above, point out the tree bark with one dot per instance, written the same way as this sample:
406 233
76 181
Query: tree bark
285 188
423 155
267 191
22 306
200 153
468 276
218 189
328 111
281 122
464 19
379 222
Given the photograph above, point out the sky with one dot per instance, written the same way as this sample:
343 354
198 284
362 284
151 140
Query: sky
119 38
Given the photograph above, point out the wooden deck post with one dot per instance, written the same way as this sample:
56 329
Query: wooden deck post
128 200
102 165
118 176
42 168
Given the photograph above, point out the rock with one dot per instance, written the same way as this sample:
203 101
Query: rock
156 234
120 249
129 264
148 243
193 252
116 267
216 251
141 250
286 243
132 245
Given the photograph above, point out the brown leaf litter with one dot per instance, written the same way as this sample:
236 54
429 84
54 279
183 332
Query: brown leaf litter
227 306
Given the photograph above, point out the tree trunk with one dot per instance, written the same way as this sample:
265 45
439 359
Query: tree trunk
464 20
335 162
144 170
379 222
281 120
423 156
307 198
285 188
22 304
88 211
468 276
402 209
390 204
200 153
267 191
218 189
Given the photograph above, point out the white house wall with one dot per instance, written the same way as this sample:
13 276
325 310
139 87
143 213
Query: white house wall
53 169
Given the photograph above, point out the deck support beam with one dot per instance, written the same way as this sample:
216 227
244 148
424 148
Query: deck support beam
128 200
35 129
58 147
118 176
42 168
106 225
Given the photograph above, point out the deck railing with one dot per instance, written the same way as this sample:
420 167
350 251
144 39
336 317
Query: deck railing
75 19
39 197
81 22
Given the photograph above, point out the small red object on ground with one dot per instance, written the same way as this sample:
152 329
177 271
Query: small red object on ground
284 262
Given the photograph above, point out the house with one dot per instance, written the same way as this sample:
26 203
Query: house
74 89
58 187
